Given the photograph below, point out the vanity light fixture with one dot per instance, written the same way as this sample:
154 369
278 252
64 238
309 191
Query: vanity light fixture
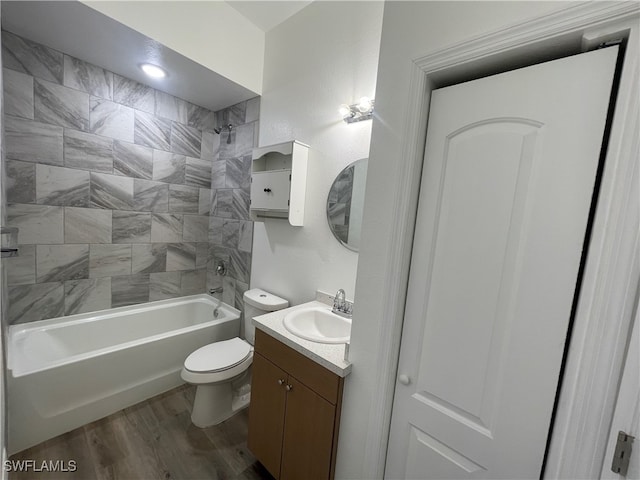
154 71
363 110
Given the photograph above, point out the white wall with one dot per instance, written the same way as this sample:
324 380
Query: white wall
410 30
325 55
208 32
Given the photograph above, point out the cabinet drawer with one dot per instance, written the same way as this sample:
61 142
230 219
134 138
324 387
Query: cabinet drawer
324 382
270 190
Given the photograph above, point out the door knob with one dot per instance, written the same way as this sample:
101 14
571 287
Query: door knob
280 381
404 379
289 388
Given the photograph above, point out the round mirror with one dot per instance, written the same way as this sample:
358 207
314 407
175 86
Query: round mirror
345 204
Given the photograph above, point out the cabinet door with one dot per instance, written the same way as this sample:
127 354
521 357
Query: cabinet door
266 413
308 434
270 190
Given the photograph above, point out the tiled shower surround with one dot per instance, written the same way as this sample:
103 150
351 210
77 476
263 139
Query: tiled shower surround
121 192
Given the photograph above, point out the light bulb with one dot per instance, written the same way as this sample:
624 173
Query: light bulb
345 111
153 71
365 105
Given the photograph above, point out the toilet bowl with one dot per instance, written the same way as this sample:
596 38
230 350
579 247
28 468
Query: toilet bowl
220 370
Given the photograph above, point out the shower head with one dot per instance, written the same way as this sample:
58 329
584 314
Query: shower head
219 129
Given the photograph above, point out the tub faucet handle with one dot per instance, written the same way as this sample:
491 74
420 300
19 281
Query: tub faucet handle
213 291
221 268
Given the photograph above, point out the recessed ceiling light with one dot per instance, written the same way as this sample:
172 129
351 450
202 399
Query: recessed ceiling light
153 71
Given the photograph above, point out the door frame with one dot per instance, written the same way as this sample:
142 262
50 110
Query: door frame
610 281
628 406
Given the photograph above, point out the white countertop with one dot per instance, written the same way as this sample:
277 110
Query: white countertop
330 356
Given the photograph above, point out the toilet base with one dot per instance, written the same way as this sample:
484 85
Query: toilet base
216 403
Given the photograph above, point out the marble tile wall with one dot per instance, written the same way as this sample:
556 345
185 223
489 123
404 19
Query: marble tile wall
110 183
230 226
4 311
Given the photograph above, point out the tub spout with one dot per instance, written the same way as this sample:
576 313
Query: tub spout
216 309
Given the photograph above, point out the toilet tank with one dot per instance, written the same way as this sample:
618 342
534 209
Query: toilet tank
258 302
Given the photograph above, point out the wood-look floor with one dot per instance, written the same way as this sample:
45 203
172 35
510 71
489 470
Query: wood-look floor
151 440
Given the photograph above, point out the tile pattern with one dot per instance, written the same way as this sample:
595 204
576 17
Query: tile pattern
165 285
19 98
133 94
28 303
20 181
185 140
111 119
62 186
132 160
24 56
168 167
33 141
149 258
60 105
109 260
87 78
21 270
61 262
230 227
181 256
37 224
123 194
81 296
87 225
88 152
183 199
152 131
150 196
129 290
198 172
111 192
131 227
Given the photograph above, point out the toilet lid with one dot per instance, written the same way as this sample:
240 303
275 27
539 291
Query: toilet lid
218 356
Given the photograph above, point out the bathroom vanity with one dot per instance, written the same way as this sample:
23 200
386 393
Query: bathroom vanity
296 399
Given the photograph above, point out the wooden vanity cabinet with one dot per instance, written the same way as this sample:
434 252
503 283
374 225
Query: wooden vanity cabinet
294 414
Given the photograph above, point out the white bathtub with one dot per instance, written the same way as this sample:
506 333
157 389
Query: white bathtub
69 371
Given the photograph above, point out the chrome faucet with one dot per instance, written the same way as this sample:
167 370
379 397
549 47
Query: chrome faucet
221 268
341 306
216 310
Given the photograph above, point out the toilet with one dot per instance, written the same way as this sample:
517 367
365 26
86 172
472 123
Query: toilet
221 369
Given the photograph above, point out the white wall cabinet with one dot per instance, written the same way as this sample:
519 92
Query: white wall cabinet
279 182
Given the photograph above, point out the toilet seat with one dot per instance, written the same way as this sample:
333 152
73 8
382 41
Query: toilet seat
218 356
217 362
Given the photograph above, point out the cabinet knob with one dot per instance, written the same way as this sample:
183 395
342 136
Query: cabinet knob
404 379
280 381
267 190
289 388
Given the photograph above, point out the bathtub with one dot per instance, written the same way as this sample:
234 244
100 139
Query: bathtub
69 371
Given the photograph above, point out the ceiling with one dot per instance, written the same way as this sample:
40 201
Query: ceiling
267 14
80 31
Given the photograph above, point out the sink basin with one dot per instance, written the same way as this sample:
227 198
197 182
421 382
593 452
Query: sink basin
318 325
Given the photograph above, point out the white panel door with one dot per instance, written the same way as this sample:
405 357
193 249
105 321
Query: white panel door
508 178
